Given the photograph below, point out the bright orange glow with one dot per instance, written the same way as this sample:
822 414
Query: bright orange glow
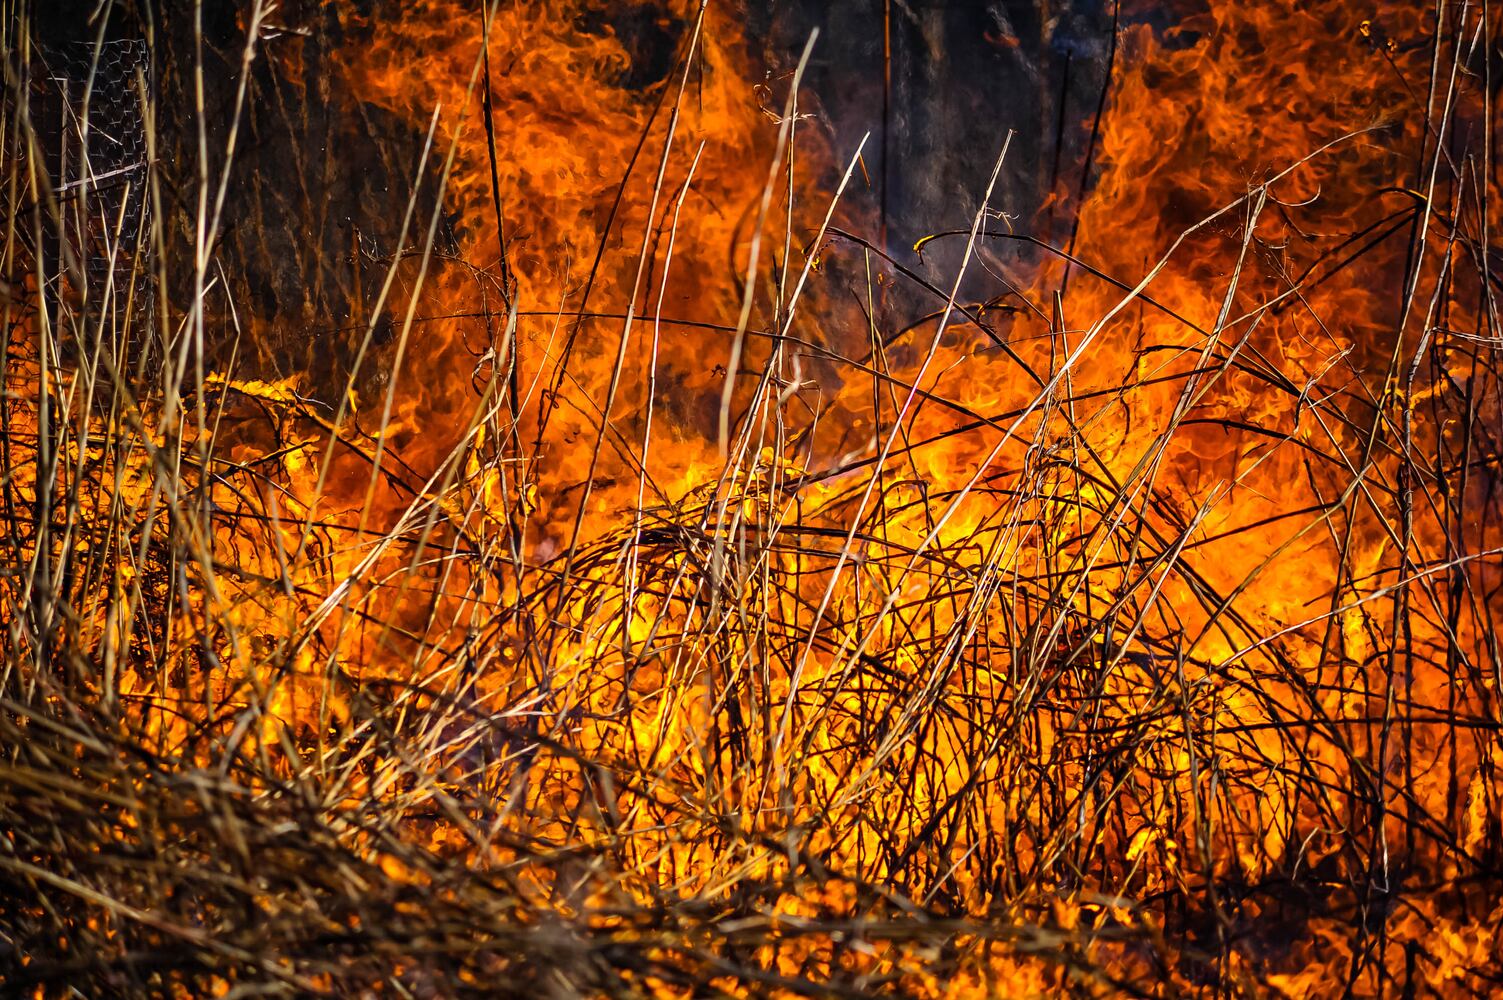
1141 620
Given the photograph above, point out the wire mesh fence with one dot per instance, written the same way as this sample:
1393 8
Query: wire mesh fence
88 105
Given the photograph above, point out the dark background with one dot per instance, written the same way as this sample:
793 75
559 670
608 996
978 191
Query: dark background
938 84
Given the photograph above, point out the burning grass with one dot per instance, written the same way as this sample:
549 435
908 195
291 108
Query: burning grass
1129 627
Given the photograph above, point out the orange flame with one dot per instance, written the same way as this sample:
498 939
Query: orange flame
1118 605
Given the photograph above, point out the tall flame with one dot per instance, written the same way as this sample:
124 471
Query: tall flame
1145 601
1184 499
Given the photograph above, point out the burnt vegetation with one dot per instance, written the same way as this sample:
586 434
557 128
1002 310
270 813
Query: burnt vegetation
497 506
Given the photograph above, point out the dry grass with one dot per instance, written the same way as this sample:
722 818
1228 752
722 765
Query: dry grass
825 724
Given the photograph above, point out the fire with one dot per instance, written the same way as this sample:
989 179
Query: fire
661 574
